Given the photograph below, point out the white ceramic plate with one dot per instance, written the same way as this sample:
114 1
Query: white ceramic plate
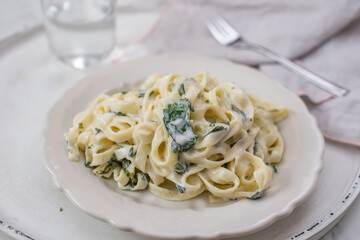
145 213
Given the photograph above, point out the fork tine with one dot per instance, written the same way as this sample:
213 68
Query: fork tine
225 25
215 32
211 24
217 26
221 30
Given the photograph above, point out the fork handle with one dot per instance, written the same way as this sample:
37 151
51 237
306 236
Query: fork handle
304 73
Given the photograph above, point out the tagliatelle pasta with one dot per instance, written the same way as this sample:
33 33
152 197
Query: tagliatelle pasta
178 136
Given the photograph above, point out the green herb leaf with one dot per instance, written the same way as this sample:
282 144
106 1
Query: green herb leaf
131 152
97 130
132 179
256 148
239 111
181 166
141 94
145 176
111 165
180 188
117 113
272 166
80 125
216 129
207 101
257 195
125 163
87 164
181 89
177 123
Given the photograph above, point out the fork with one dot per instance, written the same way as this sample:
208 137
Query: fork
226 35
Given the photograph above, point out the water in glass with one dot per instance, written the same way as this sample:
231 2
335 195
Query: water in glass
81 33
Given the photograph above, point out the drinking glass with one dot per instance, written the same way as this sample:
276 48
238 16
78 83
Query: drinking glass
81 33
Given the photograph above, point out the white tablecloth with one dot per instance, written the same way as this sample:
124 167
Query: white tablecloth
27 91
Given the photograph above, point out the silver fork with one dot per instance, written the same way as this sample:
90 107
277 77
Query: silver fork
226 35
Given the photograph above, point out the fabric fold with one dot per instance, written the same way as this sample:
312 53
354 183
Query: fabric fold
322 35
292 29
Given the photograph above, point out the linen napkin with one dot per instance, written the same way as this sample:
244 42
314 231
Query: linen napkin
324 35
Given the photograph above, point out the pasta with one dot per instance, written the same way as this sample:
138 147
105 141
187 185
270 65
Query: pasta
179 136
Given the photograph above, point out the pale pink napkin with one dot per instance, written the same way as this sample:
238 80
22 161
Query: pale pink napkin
322 35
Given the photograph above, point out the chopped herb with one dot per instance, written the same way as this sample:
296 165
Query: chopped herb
256 147
124 92
87 164
141 94
272 166
213 124
132 179
181 166
216 129
117 113
90 146
125 163
207 101
131 152
232 199
80 125
112 164
246 177
248 131
145 176
239 111
233 88
236 140
180 188
177 123
225 165
181 89
257 195
97 130
152 92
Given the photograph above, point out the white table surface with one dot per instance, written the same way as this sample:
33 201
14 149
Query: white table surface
131 26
